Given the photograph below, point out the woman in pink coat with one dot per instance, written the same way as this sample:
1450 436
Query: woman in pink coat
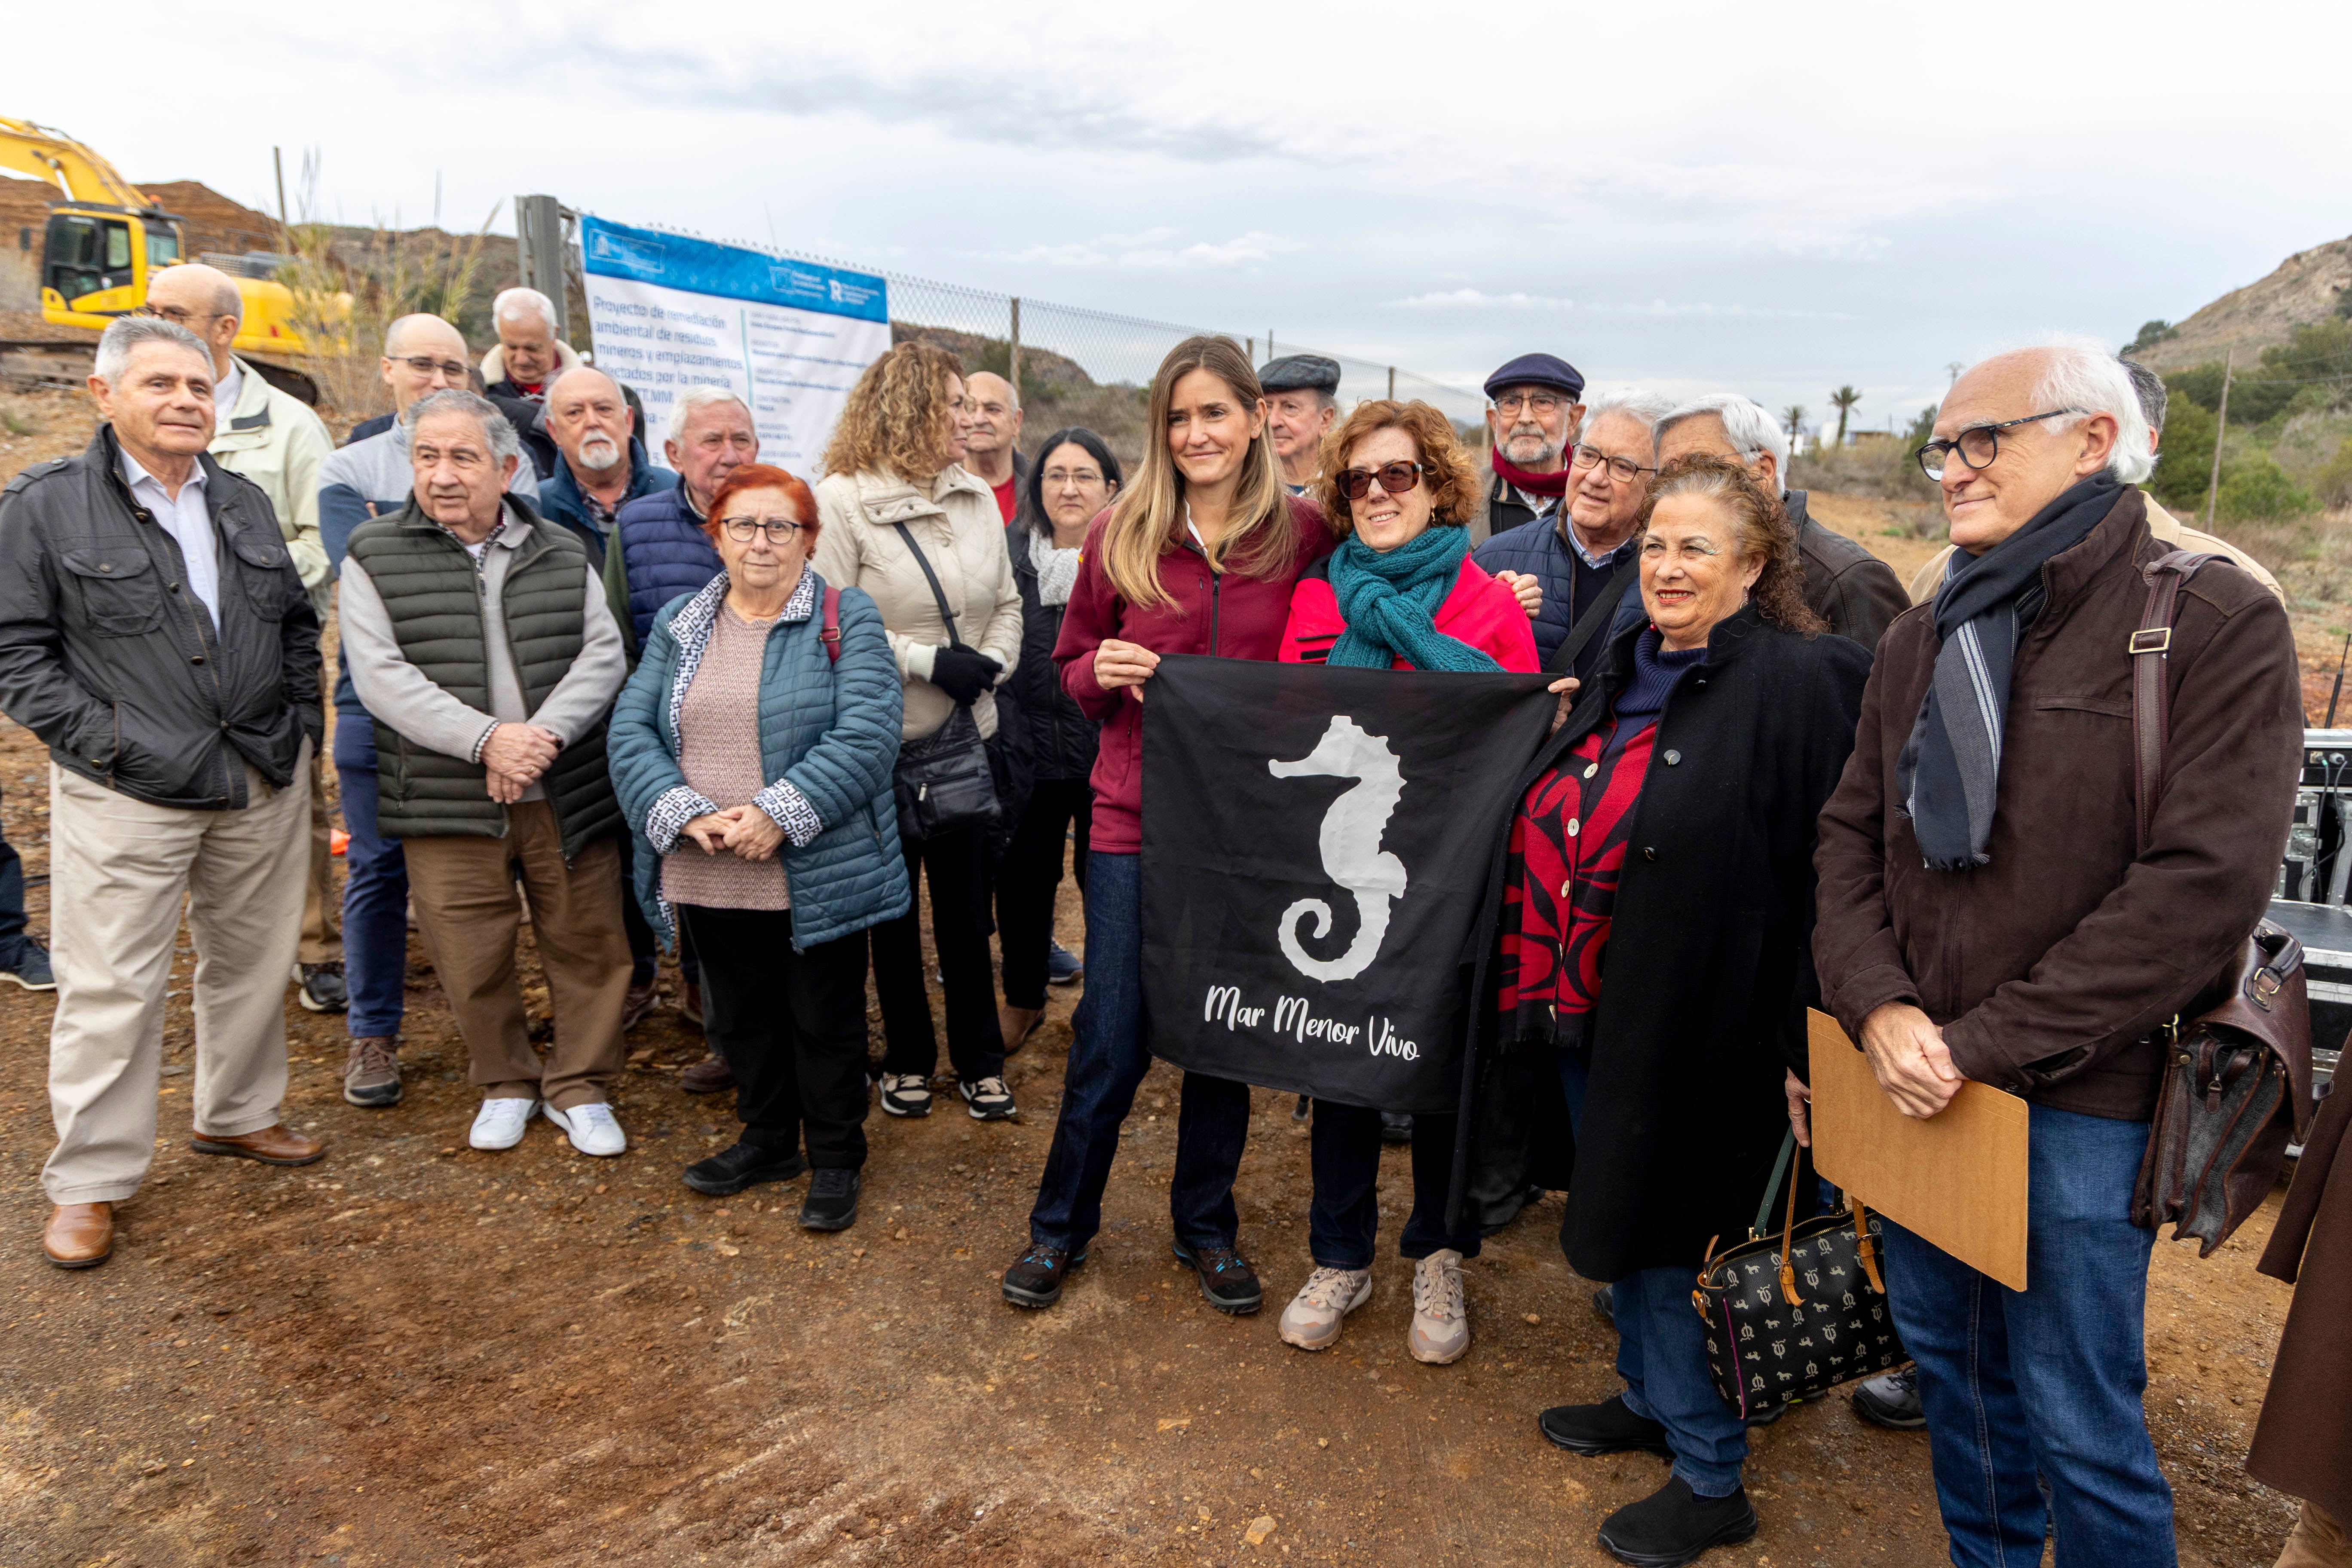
1399 592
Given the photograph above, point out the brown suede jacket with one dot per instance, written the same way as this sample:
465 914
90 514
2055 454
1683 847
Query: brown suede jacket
2049 967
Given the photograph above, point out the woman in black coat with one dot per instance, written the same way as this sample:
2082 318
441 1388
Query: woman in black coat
1650 922
1073 479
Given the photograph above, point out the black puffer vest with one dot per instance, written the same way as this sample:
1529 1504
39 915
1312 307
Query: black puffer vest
433 594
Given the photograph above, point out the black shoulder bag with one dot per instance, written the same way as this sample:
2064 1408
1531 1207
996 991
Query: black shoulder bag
944 781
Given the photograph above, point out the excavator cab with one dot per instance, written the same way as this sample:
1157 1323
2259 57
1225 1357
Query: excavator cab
98 260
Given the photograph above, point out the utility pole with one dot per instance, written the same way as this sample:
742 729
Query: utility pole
538 242
278 161
1392 384
2220 428
1015 377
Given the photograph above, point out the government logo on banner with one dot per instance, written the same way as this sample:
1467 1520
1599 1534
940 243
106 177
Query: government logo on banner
1315 844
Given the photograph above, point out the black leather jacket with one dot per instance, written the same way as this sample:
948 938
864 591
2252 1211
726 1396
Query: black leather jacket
110 660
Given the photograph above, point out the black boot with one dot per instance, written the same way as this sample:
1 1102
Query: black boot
1608 1427
742 1166
1675 1525
831 1201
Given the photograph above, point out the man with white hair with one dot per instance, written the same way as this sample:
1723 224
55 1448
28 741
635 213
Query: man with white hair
368 479
478 637
273 438
600 465
1845 584
1585 554
661 552
528 358
1992 909
993 447
155 635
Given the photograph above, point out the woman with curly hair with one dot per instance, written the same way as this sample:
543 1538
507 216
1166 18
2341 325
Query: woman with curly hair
902 519
1649 922
1400 592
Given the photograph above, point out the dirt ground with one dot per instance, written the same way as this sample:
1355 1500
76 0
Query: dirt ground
413 1352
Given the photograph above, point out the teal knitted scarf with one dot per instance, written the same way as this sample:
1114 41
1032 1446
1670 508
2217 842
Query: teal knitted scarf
1390 602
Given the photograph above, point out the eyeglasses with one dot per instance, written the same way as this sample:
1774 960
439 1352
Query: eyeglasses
176 316
425 365
1394 478
1072 477
1978 445
1624 470
1540 403
780 530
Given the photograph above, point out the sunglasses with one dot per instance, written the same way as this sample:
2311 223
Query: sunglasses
1394 478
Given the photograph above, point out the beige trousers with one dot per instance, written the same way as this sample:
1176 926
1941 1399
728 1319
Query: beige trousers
466 909
119 871
2318 1541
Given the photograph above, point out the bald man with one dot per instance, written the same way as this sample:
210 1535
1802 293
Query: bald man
992 450
272 439
370 478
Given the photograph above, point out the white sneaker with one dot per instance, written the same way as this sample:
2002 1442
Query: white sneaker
590 1128
1312 1320
499 1123
1440 1320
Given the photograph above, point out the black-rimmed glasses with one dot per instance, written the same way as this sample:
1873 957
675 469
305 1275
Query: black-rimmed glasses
743 530
425 365
1624 470
1394 478
1978 445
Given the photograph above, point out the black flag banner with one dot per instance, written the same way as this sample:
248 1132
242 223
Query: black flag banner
1315 847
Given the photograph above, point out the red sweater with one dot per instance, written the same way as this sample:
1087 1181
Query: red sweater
1480 611
1226 615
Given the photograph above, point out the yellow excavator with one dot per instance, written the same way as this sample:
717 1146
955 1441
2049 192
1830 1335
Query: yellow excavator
106 238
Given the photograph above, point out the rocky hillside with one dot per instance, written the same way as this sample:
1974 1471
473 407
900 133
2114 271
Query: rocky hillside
2308 286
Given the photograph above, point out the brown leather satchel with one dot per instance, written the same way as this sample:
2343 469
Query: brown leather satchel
2237 1079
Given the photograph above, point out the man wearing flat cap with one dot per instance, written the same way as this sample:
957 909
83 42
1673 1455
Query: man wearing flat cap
1301 401
1535 408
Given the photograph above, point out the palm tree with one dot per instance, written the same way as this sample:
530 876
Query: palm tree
1792 420
1842 400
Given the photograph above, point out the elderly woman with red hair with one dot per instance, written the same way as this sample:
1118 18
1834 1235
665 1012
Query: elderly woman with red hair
752 753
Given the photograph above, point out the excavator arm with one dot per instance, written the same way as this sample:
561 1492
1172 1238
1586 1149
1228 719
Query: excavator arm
52 156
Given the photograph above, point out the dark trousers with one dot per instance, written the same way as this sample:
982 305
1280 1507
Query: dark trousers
1344 1150
644 947
1108 1060
1028 877
12 907
959 931
791 1026
375 910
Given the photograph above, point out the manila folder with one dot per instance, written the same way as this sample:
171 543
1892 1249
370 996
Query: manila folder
1957 1179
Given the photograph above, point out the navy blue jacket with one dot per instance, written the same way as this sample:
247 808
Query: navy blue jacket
664 553
1538 547
560 500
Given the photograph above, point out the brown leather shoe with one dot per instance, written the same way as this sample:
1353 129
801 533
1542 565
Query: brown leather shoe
638 1002
708 1075
273 1146
691 1007
79 1236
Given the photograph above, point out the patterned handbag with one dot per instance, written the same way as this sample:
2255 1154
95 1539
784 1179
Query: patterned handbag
1792 1316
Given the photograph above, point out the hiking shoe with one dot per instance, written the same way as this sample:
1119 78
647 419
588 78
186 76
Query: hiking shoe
592 1128
1226 1279
323 990
691 1007
741 1165
31 969
1675 1525
1608 1427
1396 1127
1036 1275
708 1075
1313 1319
498 1124
988 1099
905 1094
1891 1400
637 1005
372 1073
1440 1335
1063 967
831 1201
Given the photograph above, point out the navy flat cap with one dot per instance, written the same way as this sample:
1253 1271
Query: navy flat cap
1537 369
1300 372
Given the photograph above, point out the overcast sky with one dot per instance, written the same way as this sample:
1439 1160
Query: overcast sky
1697 198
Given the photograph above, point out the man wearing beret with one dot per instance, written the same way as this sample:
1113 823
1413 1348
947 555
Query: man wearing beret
1536 408
1301 401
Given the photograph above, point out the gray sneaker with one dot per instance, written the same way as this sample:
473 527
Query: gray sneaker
372 1073
1440 1320
31 969
1313 1319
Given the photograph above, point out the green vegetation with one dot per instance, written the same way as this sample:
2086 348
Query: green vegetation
2288 450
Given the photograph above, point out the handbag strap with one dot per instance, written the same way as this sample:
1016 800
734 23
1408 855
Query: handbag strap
1780 1169
938 593
2150 648
829 629
1598 618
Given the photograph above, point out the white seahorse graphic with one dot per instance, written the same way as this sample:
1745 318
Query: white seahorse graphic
1350 845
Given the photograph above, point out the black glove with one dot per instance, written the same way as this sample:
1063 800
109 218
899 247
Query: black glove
962 673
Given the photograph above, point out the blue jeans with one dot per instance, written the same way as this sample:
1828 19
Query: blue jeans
1344 1153
1106 1062
2048 1378
1662 1354
375 910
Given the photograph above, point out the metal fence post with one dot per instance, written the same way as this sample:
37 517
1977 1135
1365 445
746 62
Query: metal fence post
1392 384
1015 362
539 243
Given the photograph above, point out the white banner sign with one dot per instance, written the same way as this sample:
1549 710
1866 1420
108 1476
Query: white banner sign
790 338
